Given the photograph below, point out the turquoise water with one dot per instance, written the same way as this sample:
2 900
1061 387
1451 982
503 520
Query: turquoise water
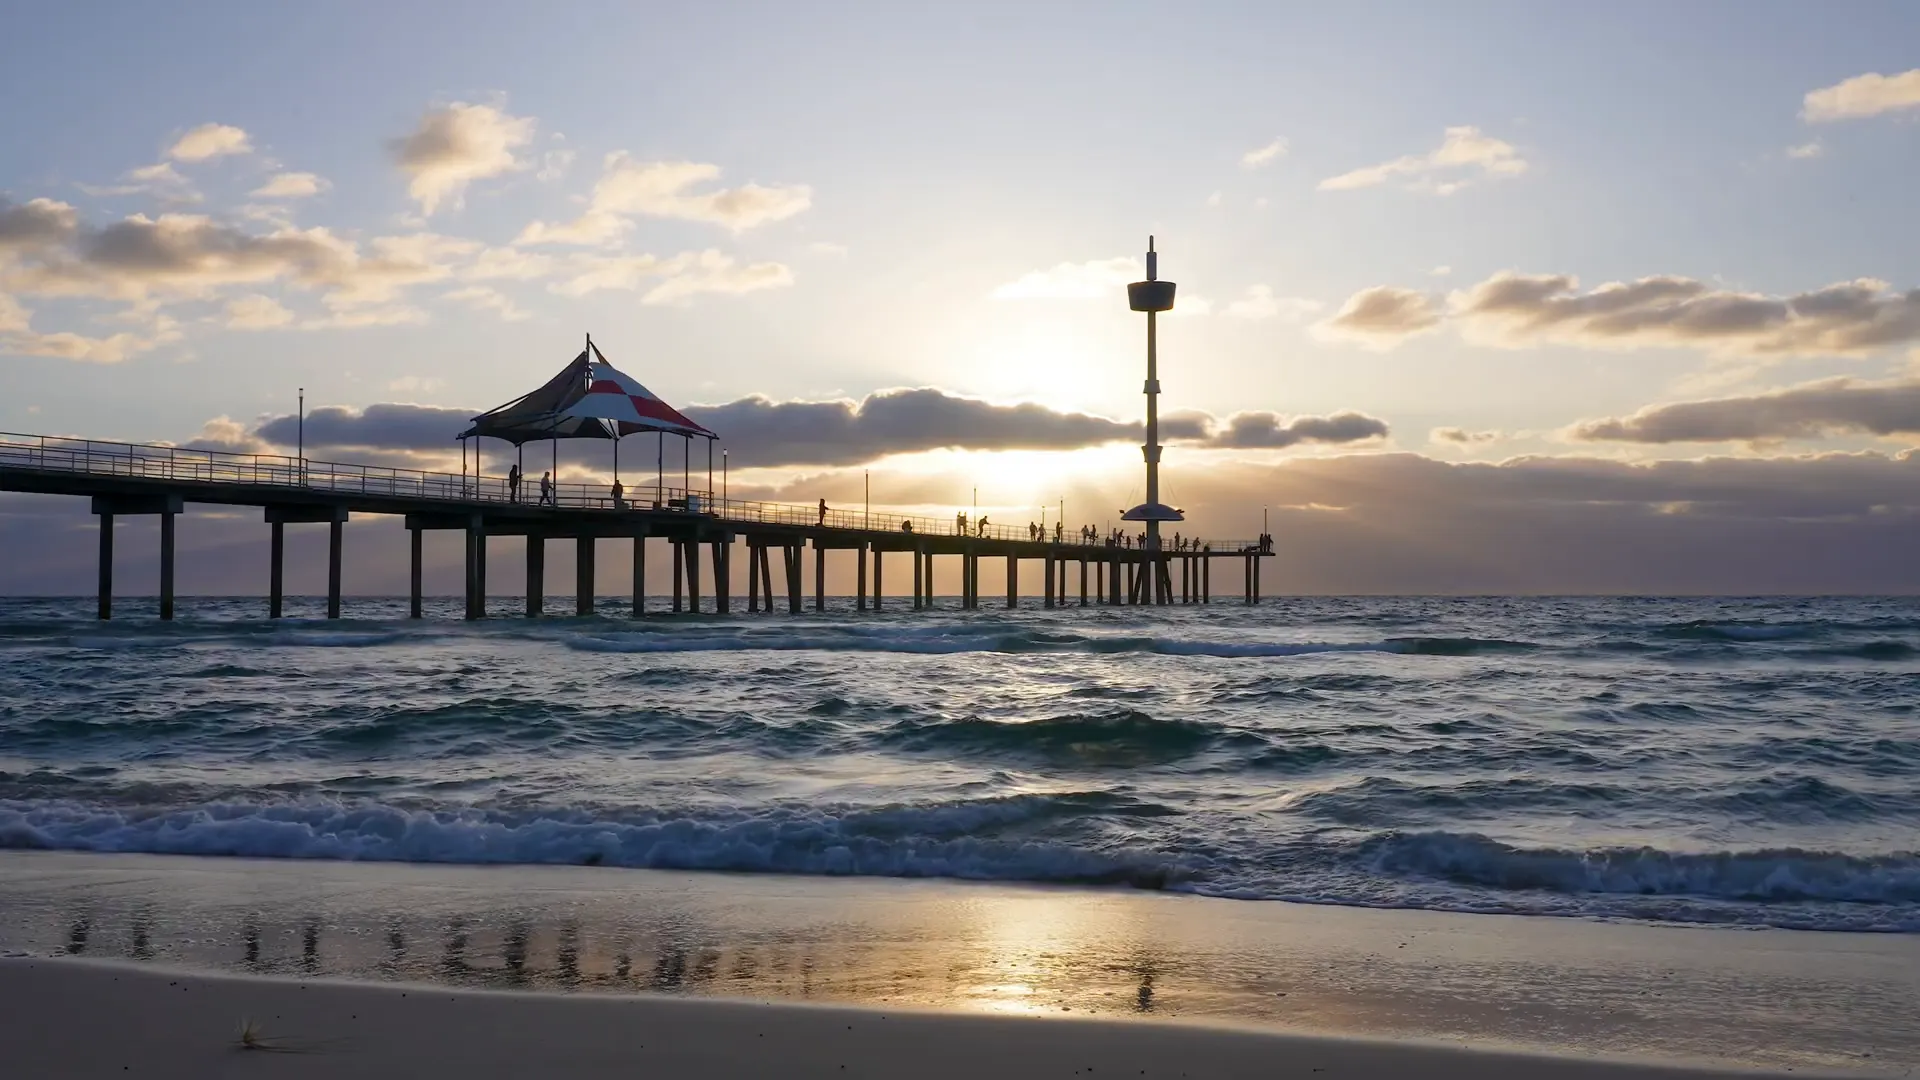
1744 762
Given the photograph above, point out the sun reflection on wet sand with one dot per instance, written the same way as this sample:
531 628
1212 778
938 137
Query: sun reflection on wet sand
1772 998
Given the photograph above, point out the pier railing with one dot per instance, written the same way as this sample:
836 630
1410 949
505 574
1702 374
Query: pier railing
184 464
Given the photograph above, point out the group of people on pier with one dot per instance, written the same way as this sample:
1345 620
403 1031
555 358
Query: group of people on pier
546 487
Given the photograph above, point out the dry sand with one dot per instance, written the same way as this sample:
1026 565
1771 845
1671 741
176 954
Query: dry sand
77 1018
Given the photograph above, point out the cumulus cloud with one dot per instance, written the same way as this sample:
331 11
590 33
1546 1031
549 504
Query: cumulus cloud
1806 150
1462 437
64 345
377 427
1511 310
484 298
674 280
1811 411
1850 318
1863 95
1264 155
1073 281
210 141
1381 317
1265 430
37 223
763 433
455 145
1259 302
291 185
256 312
1464 153
668 189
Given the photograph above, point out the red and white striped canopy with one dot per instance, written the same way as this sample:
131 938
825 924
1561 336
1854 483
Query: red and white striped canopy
614 395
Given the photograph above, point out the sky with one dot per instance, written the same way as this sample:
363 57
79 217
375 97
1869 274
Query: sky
1473 298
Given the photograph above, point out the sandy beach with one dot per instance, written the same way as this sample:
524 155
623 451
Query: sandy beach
513 971
72 1018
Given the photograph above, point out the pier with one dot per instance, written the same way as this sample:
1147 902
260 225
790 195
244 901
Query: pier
695 531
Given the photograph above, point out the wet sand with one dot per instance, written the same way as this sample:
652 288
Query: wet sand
1192 976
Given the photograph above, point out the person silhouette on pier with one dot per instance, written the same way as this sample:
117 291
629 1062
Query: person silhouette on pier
906 526
513 483
960 523
546 490
619 496
983 524
823 512
1059 531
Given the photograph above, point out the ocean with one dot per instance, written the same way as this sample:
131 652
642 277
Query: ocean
1732 762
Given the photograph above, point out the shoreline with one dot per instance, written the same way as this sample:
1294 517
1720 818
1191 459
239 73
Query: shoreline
181 1024
1580 990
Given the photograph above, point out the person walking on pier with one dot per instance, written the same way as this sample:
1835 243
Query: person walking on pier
960 523
546 490
823 512
983 524
513 483
619 496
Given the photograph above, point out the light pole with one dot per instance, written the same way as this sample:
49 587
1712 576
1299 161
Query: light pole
867 518
301 449
723 474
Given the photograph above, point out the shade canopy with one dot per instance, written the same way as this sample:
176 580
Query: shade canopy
588 399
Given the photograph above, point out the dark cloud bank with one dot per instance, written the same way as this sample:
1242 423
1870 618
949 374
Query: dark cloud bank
760 432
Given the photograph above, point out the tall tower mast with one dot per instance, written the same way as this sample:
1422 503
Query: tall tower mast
1152 296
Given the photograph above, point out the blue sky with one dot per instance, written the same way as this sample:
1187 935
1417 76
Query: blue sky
904 167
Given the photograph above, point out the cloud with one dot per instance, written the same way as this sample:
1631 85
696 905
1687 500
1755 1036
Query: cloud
38 223
1862 96
666 189
497 263
1264 430
1811 411
1258 302
1441 271
64 345
256 312
14 318
1462 437
377 427
674 280
291 185
483 298
455 145
1806 150
210 141
824 247
1073 281
1264 155
1850 318
554 165
1213 199
1381 317
763 433
712 272
1463 152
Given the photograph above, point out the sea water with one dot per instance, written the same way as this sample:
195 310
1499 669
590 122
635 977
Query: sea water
1745 762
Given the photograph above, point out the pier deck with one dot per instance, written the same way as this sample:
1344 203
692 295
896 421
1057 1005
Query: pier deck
136 479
